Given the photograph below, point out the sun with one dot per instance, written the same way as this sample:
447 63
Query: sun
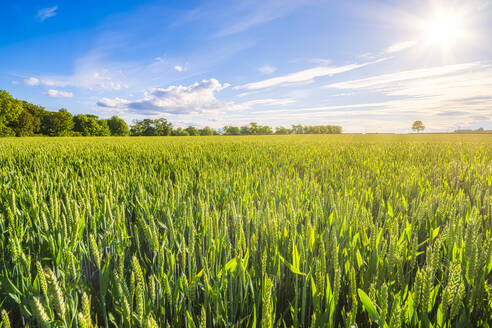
445 29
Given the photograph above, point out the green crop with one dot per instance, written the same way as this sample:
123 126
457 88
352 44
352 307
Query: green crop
276 231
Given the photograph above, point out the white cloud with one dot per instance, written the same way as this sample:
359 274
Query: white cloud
266 69
115 103
400 46
305 76
103 81
52 83
91 79
46 13
59 93
196 98
32 81
178 68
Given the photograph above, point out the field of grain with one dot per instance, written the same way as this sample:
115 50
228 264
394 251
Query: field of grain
277 231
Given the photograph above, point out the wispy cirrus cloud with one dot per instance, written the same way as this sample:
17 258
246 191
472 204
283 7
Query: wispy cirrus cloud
261 102
400 46
444 97
45 13
249 14
442 94
304 76
390 79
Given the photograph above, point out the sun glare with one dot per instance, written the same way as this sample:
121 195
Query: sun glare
444 29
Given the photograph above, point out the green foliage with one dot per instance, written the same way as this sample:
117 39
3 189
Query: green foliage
149 127
254 129
282 130
192 131
118 127
180 132
57 123
231 130
28 123
207 131
301 231
90 125
10 109
418 126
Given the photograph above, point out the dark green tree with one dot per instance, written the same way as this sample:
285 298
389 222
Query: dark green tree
163 127
149 127
281 130
117 126
231 130
207 131
180 132
143 128
88 125
103 128
192 131
57 123
264 130
10 109
245 130
28 123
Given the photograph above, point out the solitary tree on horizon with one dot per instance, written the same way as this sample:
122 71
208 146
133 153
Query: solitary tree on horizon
418 126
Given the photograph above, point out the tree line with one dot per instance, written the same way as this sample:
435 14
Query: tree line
21 118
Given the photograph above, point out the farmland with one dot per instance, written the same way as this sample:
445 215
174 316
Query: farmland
273 231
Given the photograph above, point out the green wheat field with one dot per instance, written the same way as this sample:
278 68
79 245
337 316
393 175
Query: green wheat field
273 231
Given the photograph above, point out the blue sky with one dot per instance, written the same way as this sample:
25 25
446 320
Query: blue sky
370 66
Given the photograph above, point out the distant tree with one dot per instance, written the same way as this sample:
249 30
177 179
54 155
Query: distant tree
207 131
57 123
264 130
149 127
10 109
418 126
256 129
103 128
192 131
297 129
163 127
181 132
245 130
253 128
28 122
143 128
90 125
281 130
117 126
231 130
